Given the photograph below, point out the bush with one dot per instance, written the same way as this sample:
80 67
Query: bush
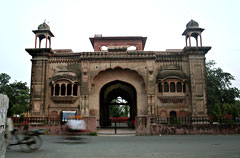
93 134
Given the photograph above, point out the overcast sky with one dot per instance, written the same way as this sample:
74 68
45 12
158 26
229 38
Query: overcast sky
162 21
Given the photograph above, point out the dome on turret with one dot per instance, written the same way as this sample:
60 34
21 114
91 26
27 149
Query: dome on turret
192 24
43 26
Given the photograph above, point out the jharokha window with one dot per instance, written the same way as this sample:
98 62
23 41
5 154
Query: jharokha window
172 86
64 88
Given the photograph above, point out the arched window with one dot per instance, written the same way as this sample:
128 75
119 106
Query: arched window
173 114
179 87
69 89
160 87
54 113
172 87
132 48
63 90
57 89
75 89
104 48
166 87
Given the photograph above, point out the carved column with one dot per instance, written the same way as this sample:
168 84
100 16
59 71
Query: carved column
65 89
72 89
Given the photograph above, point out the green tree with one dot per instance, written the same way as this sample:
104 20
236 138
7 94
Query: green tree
4 80
231 109
115 111
216 112
118 108
219 88
17 92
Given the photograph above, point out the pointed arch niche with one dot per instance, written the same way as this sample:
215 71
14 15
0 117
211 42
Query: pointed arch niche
127 76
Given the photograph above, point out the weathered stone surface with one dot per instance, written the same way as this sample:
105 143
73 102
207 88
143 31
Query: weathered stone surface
3 117
147 126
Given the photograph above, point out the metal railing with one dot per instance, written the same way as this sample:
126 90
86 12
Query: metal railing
131 123
119 122
36 120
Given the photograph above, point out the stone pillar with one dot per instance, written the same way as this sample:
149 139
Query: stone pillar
197 76
54 89
142 125
3 117
189 36
151 89
200 40
65 89
46 41
39 81
72 89
35 41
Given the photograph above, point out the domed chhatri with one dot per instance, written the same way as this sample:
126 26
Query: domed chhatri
43 26
192 24
42 32
193 30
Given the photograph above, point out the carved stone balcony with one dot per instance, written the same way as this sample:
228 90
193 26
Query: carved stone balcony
64 99
172 97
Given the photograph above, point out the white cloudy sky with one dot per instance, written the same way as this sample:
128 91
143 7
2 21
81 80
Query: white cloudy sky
74 21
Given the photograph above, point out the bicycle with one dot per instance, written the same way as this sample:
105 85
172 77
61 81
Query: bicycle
28 141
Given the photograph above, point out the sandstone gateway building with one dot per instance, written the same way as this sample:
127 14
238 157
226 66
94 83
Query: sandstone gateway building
152 83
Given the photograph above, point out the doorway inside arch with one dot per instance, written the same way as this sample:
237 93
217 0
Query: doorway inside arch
173 117
118 103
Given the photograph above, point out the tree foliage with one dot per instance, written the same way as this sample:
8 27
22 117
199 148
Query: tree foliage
219 90
4 80
17 92
118 110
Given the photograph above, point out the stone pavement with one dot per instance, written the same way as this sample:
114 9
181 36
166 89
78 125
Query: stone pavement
187 146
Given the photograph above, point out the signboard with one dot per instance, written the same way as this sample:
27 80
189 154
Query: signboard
66 115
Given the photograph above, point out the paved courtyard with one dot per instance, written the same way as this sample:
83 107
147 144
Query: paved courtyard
193 146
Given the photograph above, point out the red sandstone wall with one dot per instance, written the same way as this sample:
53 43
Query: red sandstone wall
144 127
194 129
136 43
61 129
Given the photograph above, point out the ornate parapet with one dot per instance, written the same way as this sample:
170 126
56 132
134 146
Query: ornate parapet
64 99
196 50
172 99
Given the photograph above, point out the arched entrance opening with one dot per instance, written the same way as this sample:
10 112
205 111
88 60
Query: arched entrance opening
173 116
117 99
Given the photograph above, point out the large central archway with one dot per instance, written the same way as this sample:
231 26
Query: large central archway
113 90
